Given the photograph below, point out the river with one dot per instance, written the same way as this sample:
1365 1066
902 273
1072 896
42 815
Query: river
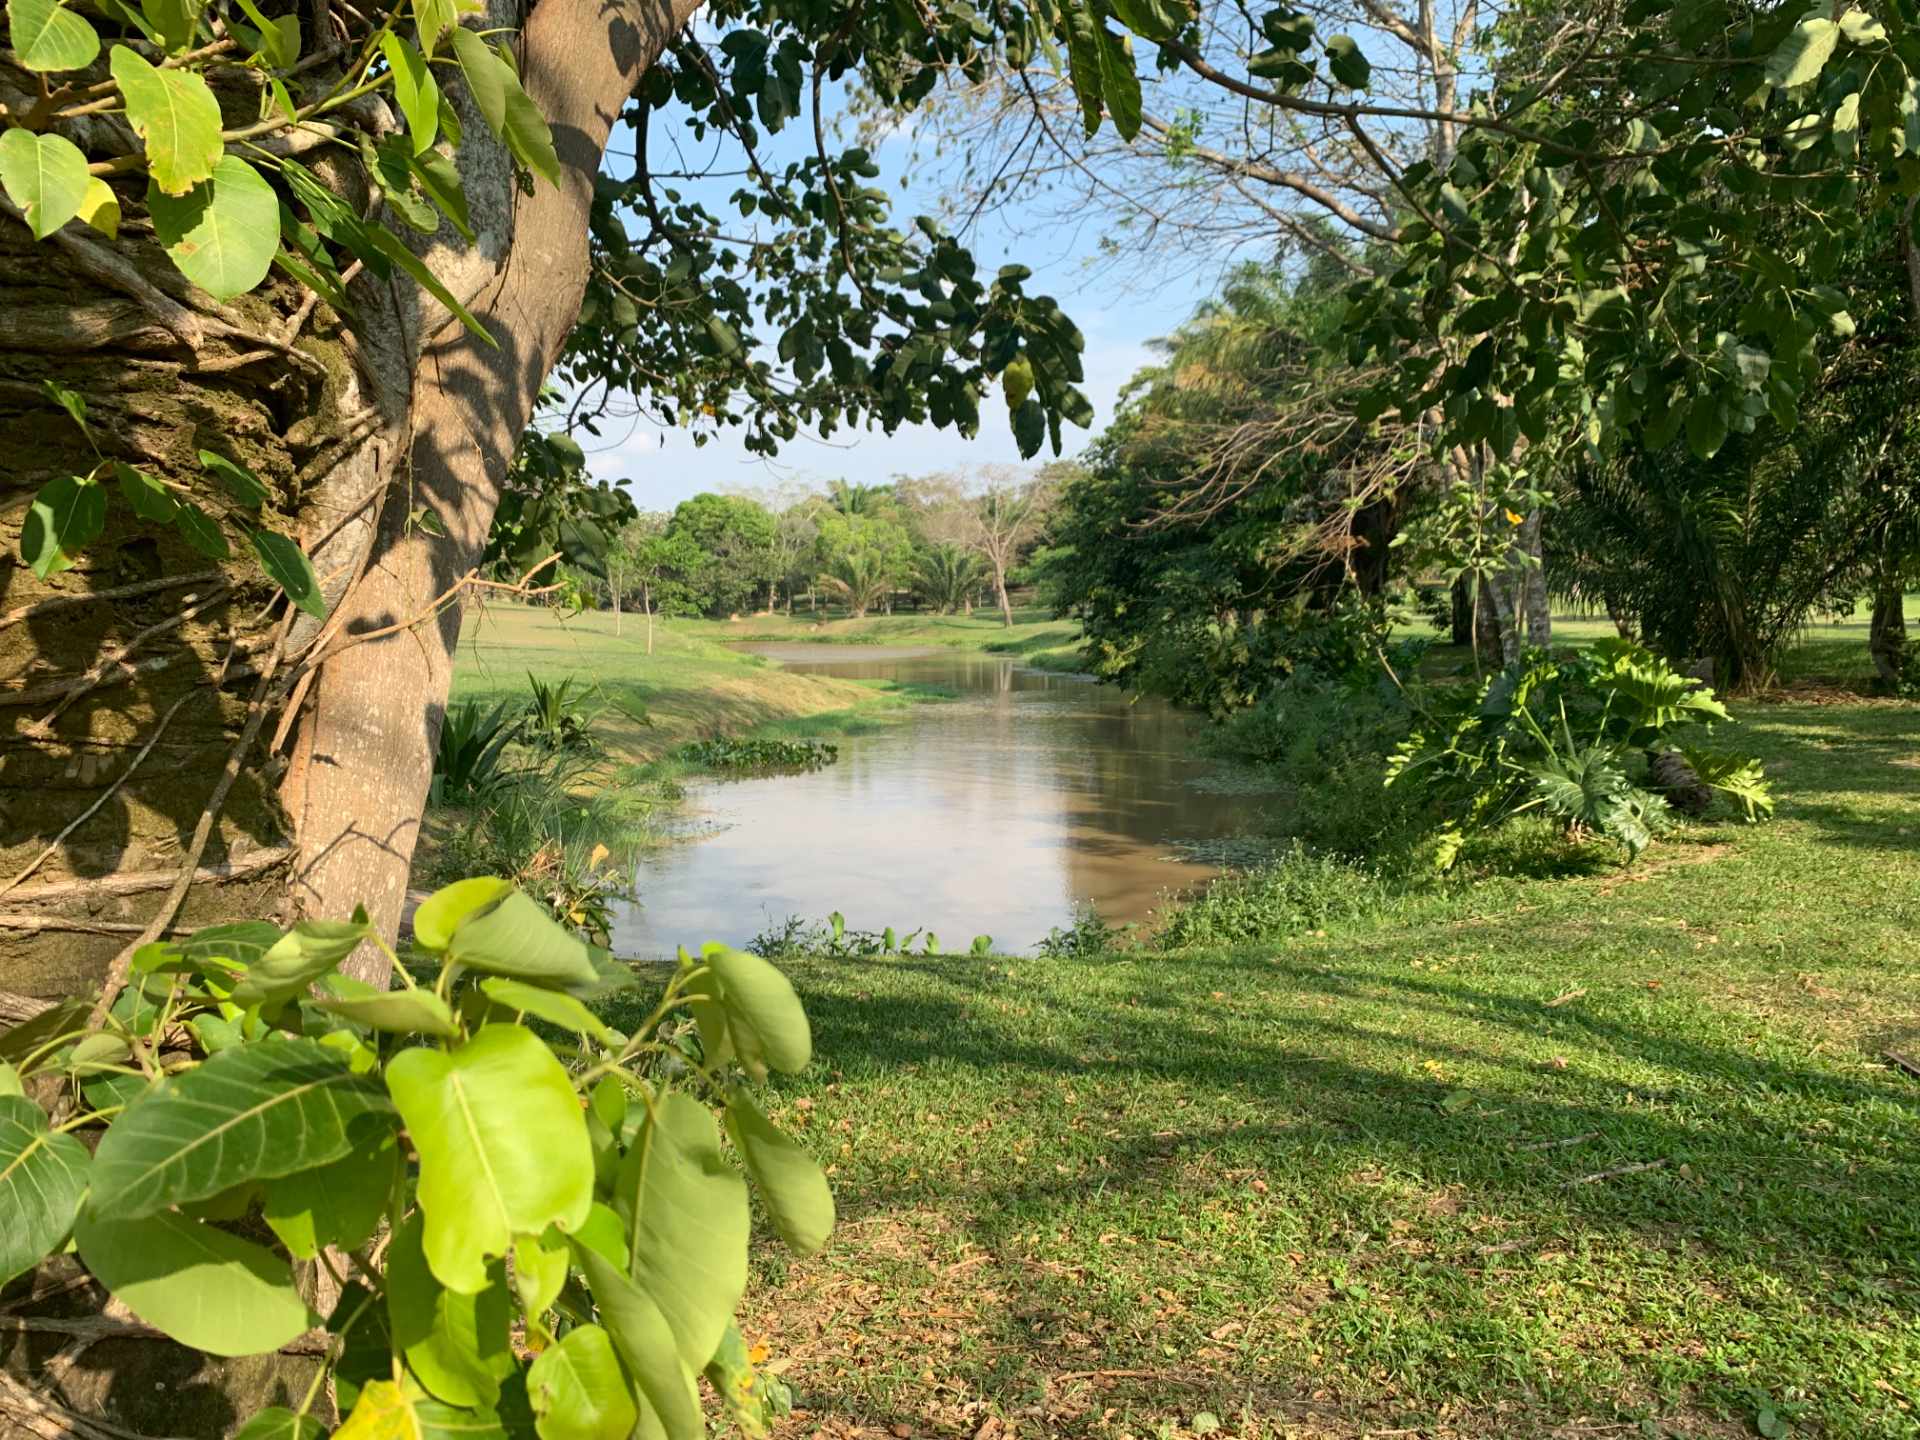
998 812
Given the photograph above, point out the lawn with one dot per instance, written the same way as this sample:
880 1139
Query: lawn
1606 1153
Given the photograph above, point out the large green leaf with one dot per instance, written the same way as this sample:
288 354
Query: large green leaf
65 517
579 1391
764 1017
205 1288
48 36
255 1112
1801 57
443 912
794 1189
43 1178
297 959
686 1209
414 89
503 1147
176 114
404 1012
389 245
519 938
646 1343
1119 83
223 233
336 1206
514 119
540 1265
456 1345
549 1005
241 482
46 176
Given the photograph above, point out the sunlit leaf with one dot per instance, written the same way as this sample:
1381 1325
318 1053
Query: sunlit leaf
503 1147
177 116
203 1287
47 35
579 1390
764 1016
46 176
65 517
288 564
337 1205
414 89
42 1179
791 1184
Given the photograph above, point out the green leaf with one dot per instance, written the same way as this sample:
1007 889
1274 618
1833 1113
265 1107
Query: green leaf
47 36
440 179
551 1006
174 21
149 499
205 1288
287 563
66 516
276 1422
1084 72
297 959
1706 427
764 1017
442 912
455 1344
539 1273
579 1391
1119 84
46 176
176 114
686 1209
10 1085
43 1178
1153 19
201 531
1804 53
794 1189
389 245
279 43
223 233
1348 64
503 1147
245 485
252 1113
520 938
414 90
1861 28
641 1335
338 1205
433 18
402 1012
514 119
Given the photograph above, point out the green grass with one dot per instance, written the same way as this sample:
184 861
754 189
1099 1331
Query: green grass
1036 637
690 687
1553 1157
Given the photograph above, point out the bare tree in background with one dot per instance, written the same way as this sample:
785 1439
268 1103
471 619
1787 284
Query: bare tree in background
995 511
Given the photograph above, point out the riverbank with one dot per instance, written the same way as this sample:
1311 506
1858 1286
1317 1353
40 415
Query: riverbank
1561 1156
1035 638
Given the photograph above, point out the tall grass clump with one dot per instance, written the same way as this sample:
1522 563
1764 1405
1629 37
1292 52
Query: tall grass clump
1297 892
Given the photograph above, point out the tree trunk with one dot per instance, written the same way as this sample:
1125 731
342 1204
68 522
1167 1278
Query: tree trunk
350 433
1462 617
646 602
1000 594
614 590
1887 633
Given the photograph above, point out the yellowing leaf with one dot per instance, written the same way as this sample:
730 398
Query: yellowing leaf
100 207
49 36
176 114
383 1413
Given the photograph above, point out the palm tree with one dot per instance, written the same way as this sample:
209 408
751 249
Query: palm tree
860 578
947 575
857 499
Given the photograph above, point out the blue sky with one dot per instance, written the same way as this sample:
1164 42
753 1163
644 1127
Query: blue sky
1117 318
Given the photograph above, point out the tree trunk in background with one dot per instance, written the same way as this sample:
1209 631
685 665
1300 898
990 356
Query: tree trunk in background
1514 613
614 591
1462 596
1000 594
1887 633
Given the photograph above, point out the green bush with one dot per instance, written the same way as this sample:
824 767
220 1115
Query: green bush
740 756
544 1238
471 759
1601 741
1297 892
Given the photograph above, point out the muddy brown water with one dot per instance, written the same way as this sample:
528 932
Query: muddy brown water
997 812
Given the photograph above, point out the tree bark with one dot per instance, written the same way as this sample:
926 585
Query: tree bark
351 433
1000 593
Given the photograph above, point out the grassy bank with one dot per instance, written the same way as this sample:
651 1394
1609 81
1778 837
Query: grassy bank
1589 1154
1036 638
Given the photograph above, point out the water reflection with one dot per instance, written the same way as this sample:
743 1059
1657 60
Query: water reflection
996 812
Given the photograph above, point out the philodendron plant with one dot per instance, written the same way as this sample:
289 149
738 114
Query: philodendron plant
530 1222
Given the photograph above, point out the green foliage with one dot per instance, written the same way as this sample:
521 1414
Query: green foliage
732 538
550 504
1570 736
745 756
470 760
1086 937
551 722
1297 892
794 938
517 1147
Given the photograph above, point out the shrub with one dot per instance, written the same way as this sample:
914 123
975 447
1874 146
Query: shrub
742 756
1299 891
427 1132
794 938
1586 739
1085 938
552 723
473 744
